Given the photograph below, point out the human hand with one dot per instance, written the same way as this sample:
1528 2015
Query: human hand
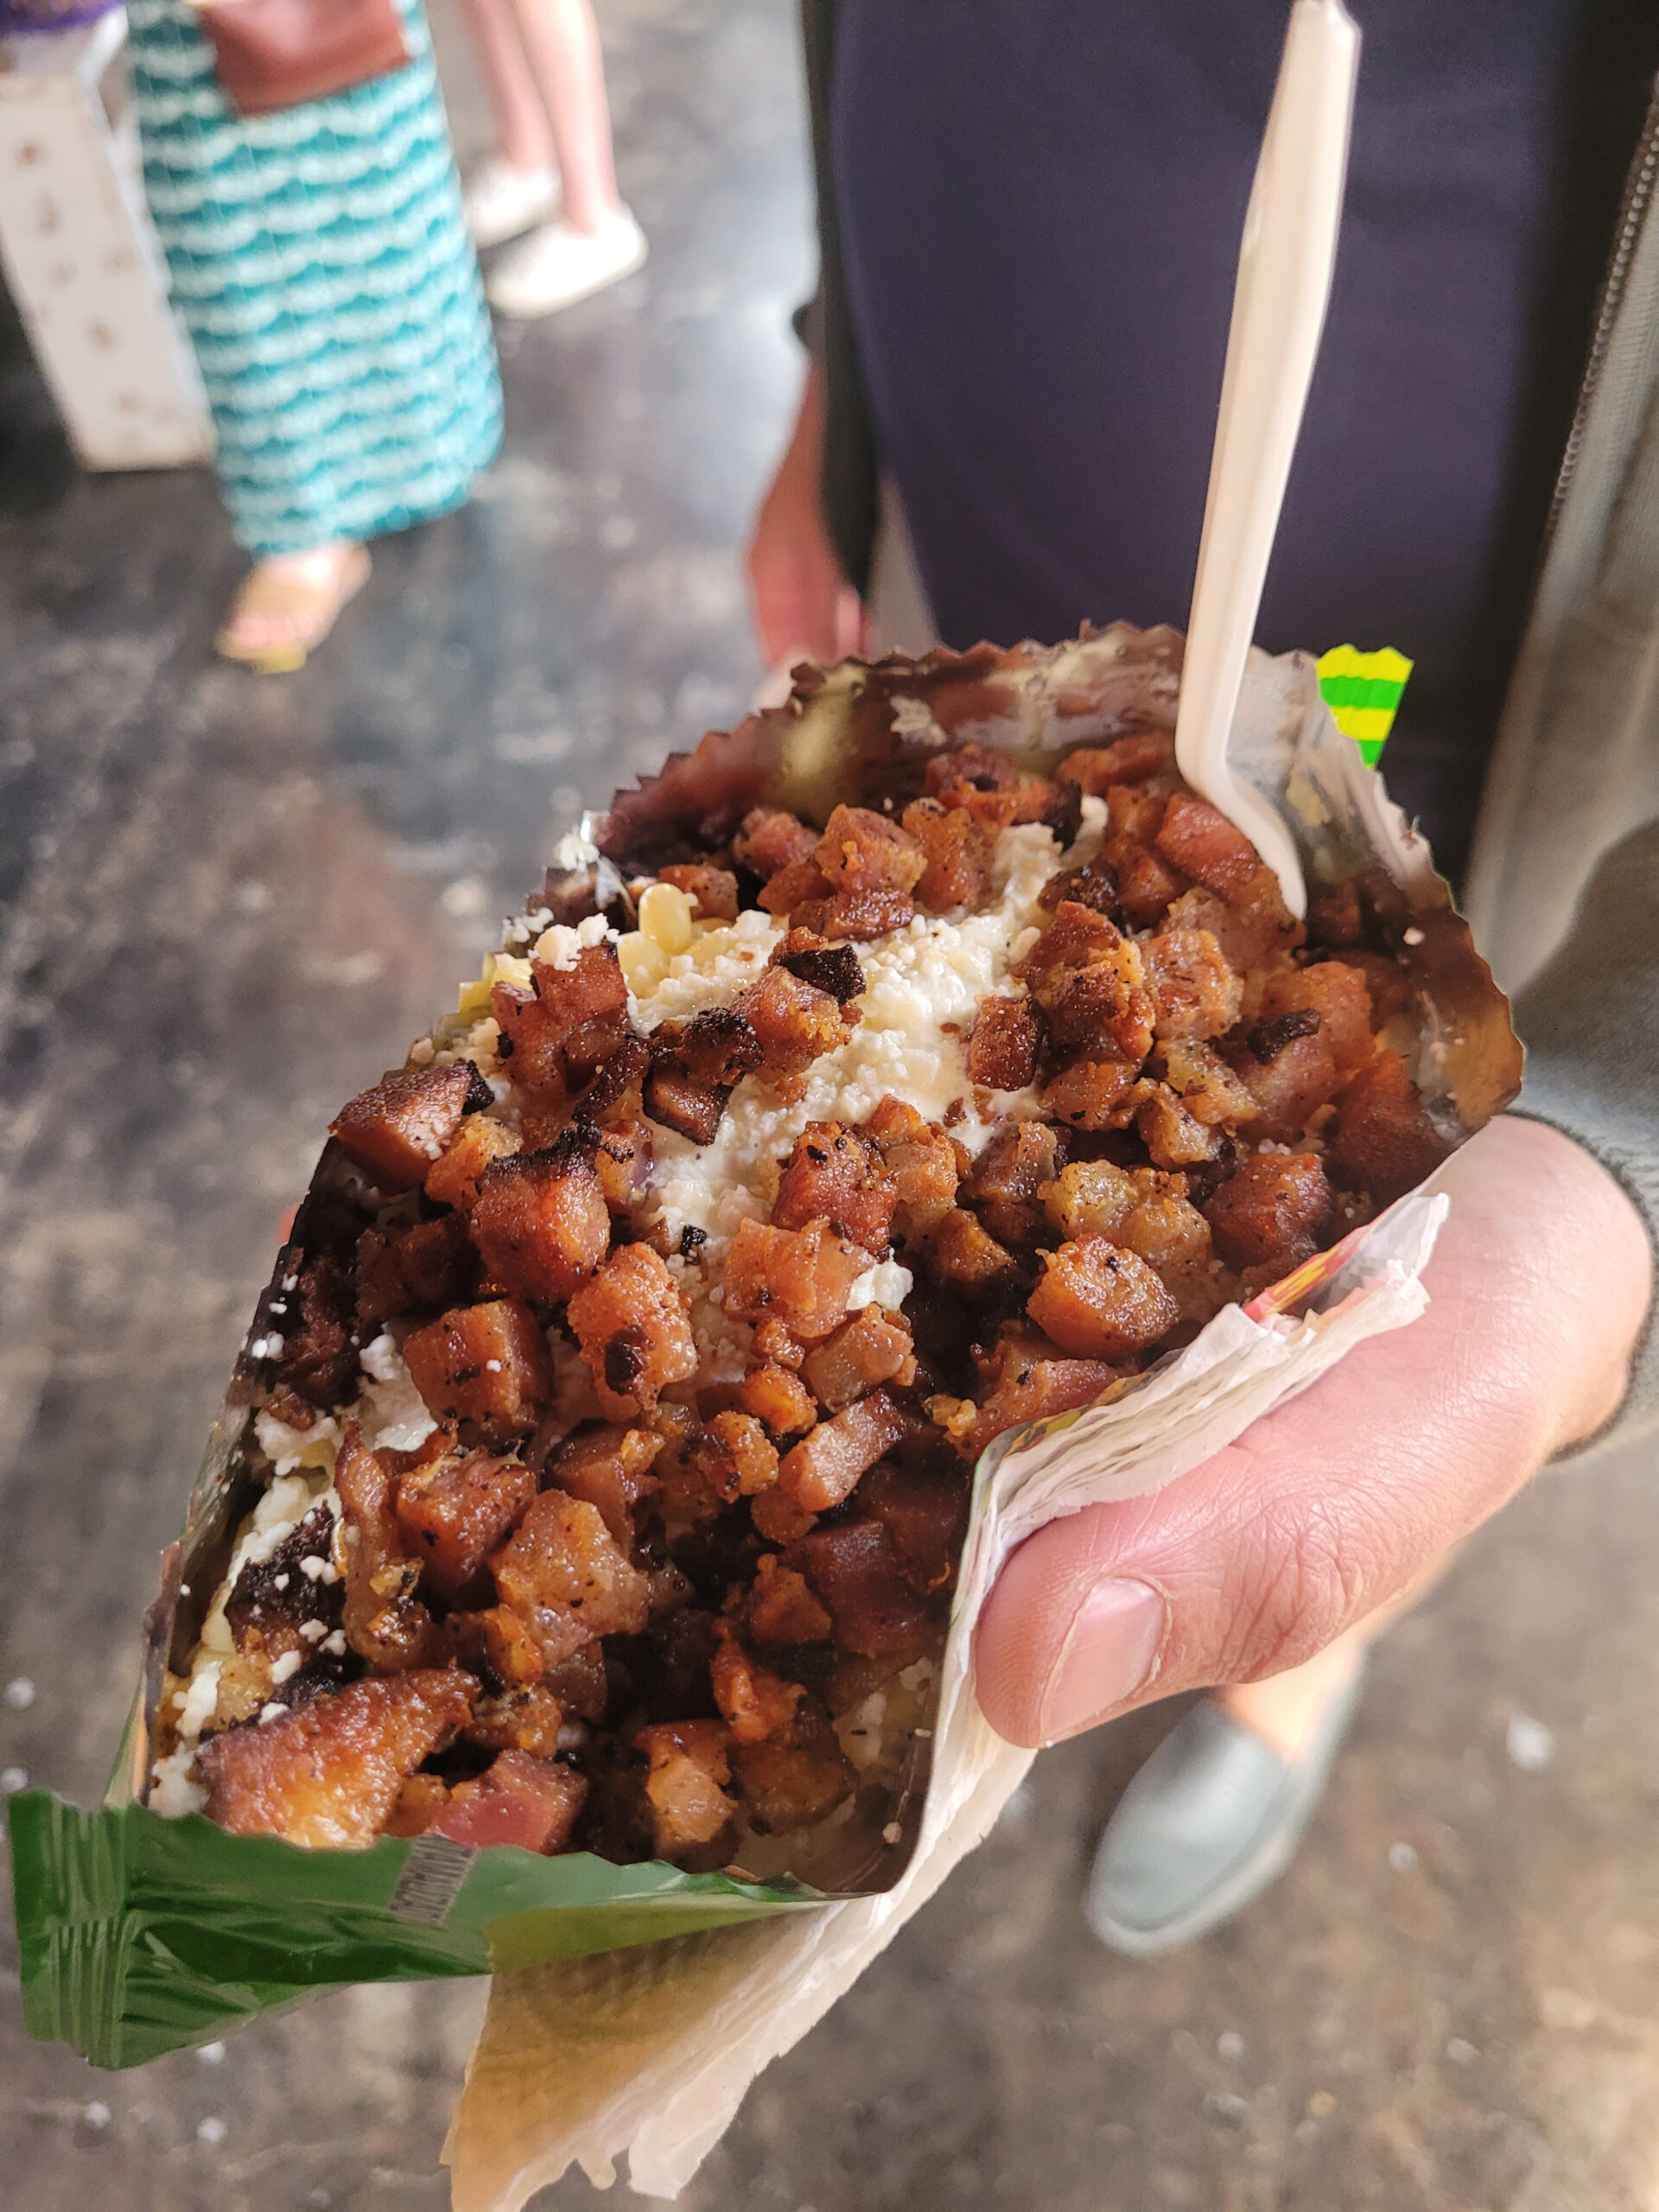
1339 1501
803 605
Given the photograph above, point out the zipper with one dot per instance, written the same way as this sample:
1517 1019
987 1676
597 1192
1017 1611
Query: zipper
1638 195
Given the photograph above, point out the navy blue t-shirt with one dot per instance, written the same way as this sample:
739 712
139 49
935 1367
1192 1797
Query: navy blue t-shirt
1041 202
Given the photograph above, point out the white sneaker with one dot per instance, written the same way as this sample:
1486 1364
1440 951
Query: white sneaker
557 266
501 200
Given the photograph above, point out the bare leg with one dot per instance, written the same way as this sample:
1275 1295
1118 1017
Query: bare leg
561 42
523 137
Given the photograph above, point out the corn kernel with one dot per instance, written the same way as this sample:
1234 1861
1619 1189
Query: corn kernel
644 963
665 917
506 968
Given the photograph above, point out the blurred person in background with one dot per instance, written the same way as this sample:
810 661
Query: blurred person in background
552 171
1029 217
319 259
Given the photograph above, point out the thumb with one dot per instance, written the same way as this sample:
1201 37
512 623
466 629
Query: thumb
1343 1498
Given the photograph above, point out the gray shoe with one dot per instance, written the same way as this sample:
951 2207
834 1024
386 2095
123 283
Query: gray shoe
1211 1819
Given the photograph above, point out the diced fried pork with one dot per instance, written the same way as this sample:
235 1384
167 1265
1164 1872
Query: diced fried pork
420 1268
694 1066
1093 885
1172 1135
562 1574
862 851
452 1179
328 1773
781 1610
1090 982
1198 993
780 1402
1003 1044
871 1346
852 1568
799 883
966 769
794 1779
1271 1210
794 1020
531 1802
484 1364
1127 760
837 1175
541 1221
528 1719
770 840
680 1102
713 889
1147 889
801 1277
831 967
1290 1088
824 1467
716 1046
735 1456
609 1468
1203 1082
925 1512
965 1256
1199 840
622 1163
754 1703
1339 995
384 1621
1008 1175
634 1332
957 852
453 1511
1384 1142
685 1784
399 1127
318 1360
1023 1382
1098 1300
859 915
923 1163
555 1038
1091 1094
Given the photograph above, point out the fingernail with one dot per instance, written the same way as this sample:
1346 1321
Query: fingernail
1110 1651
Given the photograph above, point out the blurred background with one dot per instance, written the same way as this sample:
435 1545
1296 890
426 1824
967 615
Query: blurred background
229 901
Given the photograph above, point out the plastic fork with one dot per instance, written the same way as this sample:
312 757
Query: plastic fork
1285 265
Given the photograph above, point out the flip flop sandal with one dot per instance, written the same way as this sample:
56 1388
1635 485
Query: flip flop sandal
313 608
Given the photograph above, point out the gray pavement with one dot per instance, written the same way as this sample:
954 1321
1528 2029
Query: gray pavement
230 901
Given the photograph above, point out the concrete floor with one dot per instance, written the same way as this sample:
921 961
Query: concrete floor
231 900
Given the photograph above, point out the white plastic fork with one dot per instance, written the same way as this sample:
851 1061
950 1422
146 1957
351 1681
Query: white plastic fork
1285 266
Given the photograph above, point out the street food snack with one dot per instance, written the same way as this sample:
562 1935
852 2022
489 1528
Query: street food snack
619 1408
902 1120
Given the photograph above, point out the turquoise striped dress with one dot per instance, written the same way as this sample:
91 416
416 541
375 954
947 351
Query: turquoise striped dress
320 262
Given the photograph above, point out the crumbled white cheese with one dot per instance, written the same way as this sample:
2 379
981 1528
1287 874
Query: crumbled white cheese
286 1667
561 947
289 1448
886 1284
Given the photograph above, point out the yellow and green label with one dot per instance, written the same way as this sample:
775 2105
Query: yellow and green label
1363 692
